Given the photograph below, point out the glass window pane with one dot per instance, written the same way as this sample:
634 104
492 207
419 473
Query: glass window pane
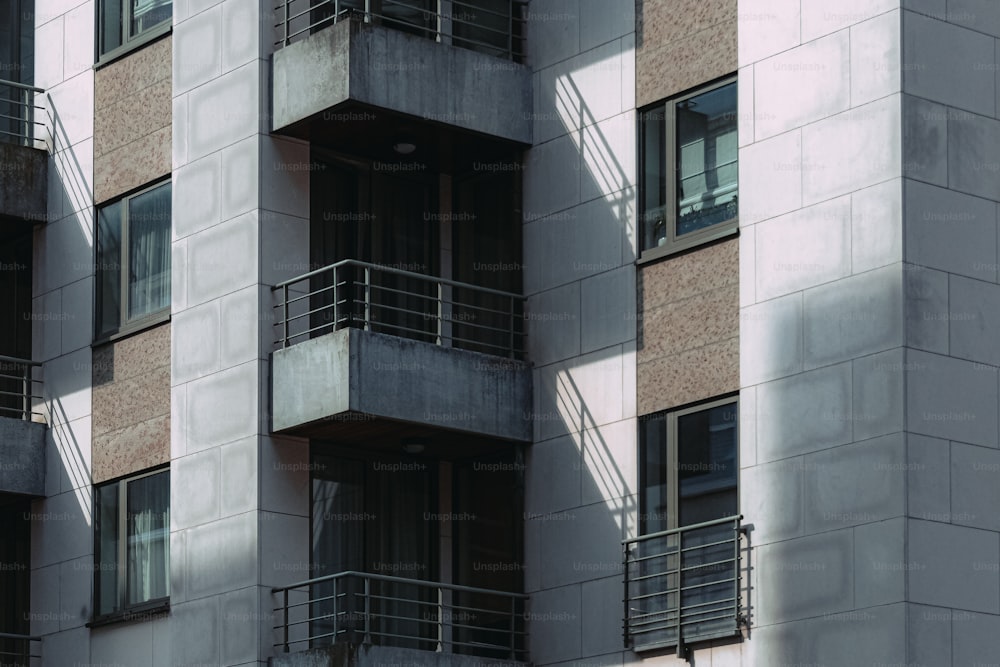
111 25
706 159
654 179
109 251
148 549
147 14
149 252
653 450
706 466
107 549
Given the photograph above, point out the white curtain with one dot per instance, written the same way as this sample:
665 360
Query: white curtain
148 545
149 252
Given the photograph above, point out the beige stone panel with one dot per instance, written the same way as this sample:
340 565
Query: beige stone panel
119 404
685 63
663 21
135 355
136 71
132 165
689 324
694 375
132 118
132 449
680 277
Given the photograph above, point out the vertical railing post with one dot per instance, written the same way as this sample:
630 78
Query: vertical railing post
284 613
335 611
368 597
335 318
26 392
284 40
440 619
284 315
513 625
368 299
440 313
736 563
513 354
625 599
27 118
510 29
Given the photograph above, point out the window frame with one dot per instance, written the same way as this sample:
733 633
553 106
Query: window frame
675 244
125 326
671 452
130 42
125 611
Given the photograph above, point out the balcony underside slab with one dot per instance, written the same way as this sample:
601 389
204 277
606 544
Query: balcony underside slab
362 383
352 65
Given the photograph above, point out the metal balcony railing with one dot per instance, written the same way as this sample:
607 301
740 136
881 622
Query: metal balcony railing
683 585
18 388
494 27
19 114
402 303
384 610
20 650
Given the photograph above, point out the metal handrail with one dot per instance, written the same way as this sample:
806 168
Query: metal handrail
25 396
367 616
435 25
22 98
25 652
679 593
365 302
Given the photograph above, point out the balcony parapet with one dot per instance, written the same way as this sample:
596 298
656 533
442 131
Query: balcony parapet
23 155
463 24
364 608
22 433
385 299
20 650
684 585
20 113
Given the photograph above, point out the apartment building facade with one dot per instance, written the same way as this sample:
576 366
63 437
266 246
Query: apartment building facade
497 332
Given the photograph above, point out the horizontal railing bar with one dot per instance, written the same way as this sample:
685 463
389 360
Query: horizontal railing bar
18 360
21 86
400 272
683 529
400 580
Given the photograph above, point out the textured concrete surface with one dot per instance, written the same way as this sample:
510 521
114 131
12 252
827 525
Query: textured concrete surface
397 378
23 182
22 457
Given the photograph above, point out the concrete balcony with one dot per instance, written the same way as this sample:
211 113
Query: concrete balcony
23 159
364 348
22 435
357 73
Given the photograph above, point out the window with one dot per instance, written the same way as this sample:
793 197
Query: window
133 260
123 24
132 544
688 170
683 570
